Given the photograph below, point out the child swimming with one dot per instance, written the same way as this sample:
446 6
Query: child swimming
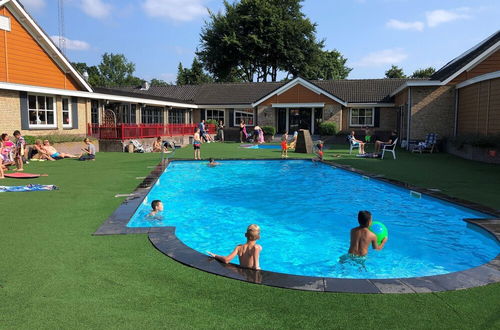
212 162
157 207
248 253
362 237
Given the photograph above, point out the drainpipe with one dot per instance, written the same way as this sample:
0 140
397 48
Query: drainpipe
455 128
409 120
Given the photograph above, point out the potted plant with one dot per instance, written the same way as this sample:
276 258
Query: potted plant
269 132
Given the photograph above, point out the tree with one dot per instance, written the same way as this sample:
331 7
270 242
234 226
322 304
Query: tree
116 70
330 65
395 72
92 71
423 73
193 76
256 39
158 82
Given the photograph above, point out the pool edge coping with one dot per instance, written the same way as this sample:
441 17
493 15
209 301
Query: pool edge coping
165 241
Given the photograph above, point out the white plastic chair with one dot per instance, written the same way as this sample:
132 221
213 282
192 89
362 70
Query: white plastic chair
352 144
390 148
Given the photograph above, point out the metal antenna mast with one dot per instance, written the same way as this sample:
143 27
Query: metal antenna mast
62 40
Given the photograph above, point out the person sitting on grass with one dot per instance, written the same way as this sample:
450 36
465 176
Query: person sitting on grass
248 253
40 153
157 207
380 144
88 152
157 145
54 153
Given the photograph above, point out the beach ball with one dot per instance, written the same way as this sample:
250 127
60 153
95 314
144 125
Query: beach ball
380 230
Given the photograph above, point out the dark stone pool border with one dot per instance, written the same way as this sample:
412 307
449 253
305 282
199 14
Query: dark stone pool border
165 240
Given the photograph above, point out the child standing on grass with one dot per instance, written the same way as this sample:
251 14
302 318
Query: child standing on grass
284 146
19 151
248 253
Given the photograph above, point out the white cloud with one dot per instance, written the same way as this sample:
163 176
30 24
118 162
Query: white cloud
383 57
96 8
176 10
33 5
400 25
439 16
169 77
72 44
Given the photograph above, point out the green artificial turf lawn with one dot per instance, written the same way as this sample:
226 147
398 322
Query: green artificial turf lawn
55 274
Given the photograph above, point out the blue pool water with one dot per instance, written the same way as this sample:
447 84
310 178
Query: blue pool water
305 211
262 146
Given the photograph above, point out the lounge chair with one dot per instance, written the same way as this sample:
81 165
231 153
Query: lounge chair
390 148
352 144
429 145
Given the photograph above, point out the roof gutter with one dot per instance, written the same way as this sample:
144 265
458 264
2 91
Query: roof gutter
416 83
3 2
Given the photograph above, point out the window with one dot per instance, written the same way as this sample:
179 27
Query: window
42 112
66 113
247 117
176 116
362 117
152 115
215 115
133 108
94 112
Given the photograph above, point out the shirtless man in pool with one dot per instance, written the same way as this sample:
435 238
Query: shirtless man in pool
248 253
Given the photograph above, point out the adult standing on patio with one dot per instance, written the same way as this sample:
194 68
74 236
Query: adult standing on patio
201 126
220 131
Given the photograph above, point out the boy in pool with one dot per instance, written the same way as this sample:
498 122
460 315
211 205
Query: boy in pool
362 237
248 253
157 206
212 162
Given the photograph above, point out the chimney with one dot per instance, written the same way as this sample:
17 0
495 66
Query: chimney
145 86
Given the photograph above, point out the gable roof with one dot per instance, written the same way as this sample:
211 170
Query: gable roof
18 11
460 63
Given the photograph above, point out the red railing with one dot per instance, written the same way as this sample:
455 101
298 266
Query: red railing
140 131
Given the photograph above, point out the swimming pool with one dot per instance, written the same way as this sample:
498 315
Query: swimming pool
306 211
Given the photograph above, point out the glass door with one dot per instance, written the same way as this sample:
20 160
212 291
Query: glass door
299 119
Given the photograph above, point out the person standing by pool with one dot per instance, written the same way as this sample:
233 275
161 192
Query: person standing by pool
248 253
220 131
243 131
362 237
197 144
284 146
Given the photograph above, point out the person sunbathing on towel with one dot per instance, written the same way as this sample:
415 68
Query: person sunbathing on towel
40 152
54 153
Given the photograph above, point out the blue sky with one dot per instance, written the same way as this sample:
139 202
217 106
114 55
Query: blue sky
372 34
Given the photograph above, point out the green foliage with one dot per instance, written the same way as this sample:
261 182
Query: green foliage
395 72
269 130
54 138
158 82
480 141
256 39
113 71
423 73
328 128
193 76
330 65
211 122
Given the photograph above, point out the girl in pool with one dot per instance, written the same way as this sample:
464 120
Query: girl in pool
248 253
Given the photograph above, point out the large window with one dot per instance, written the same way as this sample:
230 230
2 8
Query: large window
152 115
66 113
247 117
94 112
176 116
362 117
215 115
42 111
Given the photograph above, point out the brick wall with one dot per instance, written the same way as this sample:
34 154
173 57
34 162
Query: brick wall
432 111
266 116
333 113
10 112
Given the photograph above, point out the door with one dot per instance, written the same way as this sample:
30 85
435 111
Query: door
281 115
299 119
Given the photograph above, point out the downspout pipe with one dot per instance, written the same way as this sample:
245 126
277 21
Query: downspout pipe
409 120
